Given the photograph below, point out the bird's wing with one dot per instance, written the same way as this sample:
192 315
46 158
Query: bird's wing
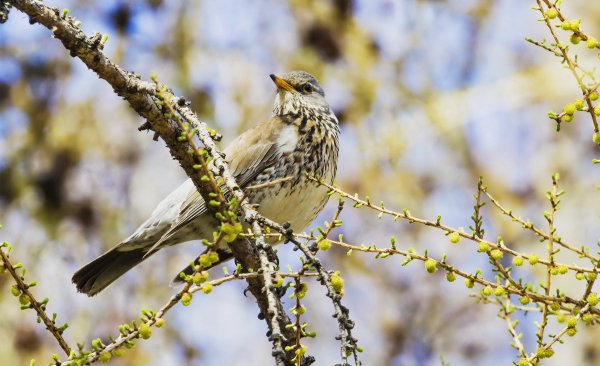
248 155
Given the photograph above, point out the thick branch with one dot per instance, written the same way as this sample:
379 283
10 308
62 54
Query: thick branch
139 95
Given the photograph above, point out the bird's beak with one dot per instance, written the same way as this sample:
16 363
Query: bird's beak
281 83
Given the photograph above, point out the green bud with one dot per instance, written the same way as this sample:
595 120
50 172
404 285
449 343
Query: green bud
230 231
186 299
324 245
200 277
496 254
23 300
337 282
592 299
15 291
570 108
499 291
551 14
483 247
518 261
431 265
454 237
487 291
205 261
145 331
104 357
213 257
533 259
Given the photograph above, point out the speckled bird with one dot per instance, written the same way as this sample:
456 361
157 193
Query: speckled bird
270 162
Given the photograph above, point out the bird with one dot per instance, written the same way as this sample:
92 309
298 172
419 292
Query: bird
271 162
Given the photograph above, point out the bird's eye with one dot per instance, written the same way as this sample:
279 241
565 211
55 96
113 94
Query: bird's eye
307 88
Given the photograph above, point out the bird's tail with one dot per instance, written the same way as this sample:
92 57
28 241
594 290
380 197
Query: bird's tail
104 270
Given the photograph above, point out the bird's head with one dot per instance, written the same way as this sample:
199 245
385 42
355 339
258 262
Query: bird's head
299 93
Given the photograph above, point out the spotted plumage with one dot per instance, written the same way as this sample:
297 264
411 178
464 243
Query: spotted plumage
270 162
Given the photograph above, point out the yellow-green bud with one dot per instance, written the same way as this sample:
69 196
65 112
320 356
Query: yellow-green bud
159 322
186 299
299 311
555 306
207 288
324 244
431 265
213 257
533 259
231 232
524 362
23 299
592 42
518 261
570 108
587 318
544 353
561 318
454 237
278 281
574 38
450 277
568 118
553 271
337 282
487 291
579 104
593 299
594 96
200 277
145 331
591 276
499 291
579 276
205 261
562 269
483 247
496 254
301 292
524 300
571 332
15 291
469 282
596 138
104 357
572 321
551 13
597 109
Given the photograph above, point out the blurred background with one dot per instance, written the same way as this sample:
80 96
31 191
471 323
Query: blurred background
430 95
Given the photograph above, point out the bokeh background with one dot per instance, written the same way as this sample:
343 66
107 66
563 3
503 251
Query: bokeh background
430 95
